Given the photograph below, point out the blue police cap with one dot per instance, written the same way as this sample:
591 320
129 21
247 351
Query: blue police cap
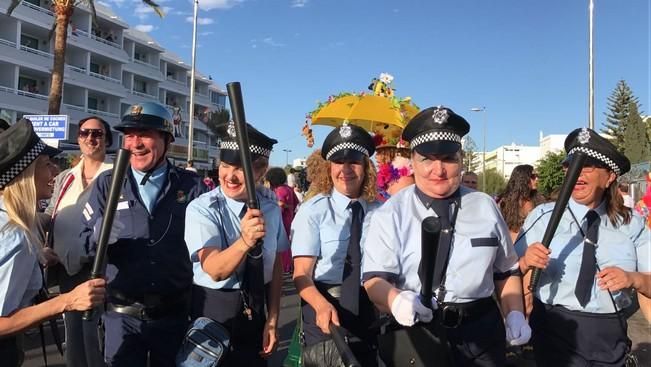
19 147
599 150
148 116
436 130
260 145
347 143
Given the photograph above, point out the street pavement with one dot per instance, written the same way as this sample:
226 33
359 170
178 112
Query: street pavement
639 332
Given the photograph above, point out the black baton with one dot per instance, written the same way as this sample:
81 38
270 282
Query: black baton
430 234
347 356
118 173
572 175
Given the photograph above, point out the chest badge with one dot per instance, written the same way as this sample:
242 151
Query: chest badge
181 197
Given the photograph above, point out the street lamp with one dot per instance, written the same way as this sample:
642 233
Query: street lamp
287 151
483 158
192 79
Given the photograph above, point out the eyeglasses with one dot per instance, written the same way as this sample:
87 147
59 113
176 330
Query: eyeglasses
93 133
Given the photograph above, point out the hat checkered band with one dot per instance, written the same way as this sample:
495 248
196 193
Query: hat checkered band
232 145
599 156
20 165
347 145
434 136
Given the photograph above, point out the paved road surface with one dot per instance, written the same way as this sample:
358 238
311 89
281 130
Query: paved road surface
639 331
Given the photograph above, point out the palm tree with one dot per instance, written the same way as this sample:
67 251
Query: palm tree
63 10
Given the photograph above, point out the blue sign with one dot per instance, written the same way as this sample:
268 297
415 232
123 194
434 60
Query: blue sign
54 127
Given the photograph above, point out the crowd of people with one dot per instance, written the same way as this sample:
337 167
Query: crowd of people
182 246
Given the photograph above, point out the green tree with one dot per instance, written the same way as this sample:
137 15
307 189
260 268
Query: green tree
469 154
217 119
495 182
636 140
618 112
63 10
550 172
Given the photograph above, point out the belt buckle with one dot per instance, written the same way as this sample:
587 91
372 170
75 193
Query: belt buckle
451 316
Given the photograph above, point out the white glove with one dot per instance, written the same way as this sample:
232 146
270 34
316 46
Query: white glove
518 331
116 229
407 309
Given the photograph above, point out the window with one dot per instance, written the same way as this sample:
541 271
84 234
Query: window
92 103
29 41
94 68
140 86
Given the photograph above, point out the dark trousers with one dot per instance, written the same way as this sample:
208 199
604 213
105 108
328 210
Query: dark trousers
225 306
570 338
479 341
11 351
129 341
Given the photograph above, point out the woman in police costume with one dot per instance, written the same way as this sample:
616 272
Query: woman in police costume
601 249
326 248
24 180
480 257
221 234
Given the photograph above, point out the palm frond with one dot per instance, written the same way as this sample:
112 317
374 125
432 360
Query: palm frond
156 7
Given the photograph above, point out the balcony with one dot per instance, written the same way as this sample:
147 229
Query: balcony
25 56
34 14
102 113
104 77
32 103
98 45
175 86
144 69
94 81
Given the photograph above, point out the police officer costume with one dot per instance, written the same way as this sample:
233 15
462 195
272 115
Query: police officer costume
149 269
213 220
324 228
20 275
480 249
570 329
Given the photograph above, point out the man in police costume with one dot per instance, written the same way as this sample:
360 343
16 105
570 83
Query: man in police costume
326 236
233 274
149 269
474 244
600 252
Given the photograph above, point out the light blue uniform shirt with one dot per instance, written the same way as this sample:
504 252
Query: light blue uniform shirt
321 229
481 246
150 190
212 220
20 276
627 247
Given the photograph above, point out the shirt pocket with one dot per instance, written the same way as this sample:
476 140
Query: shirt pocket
126 217
334 246
484 242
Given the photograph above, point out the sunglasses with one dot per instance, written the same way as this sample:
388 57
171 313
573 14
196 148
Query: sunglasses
93 133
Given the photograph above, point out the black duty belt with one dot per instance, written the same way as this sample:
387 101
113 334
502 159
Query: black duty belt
452 315
148 300
141 312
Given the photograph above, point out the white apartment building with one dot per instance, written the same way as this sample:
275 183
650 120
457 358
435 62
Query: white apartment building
108 68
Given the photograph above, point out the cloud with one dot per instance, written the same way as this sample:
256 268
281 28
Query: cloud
201 21
269 41
208 33
298 3
145 28
218 4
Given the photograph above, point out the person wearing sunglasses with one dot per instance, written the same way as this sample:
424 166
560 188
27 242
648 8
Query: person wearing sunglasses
71 191
600 253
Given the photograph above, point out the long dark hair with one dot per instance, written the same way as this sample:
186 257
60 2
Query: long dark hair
615 207
517 192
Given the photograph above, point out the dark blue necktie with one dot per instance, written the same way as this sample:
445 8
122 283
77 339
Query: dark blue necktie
351 279
442 209
588 270
254 277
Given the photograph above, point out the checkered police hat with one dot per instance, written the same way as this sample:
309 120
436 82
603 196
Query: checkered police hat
436 130
599 150
260 145
19 147
347 143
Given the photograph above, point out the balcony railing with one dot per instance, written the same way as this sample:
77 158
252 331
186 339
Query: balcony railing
145 95
169 78
104 77
105 41
76 69
36 52
7 42
37 8
31 95
75 107
7 89
145 64
105 113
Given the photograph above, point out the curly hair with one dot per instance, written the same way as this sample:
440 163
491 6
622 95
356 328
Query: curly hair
316 168
276 177
517 193
322 183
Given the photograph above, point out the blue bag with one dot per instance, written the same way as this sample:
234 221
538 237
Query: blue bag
205 344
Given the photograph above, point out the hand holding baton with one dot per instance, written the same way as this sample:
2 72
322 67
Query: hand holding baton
99 265
572 175
347 356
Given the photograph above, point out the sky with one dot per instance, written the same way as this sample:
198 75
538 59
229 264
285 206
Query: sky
525 61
